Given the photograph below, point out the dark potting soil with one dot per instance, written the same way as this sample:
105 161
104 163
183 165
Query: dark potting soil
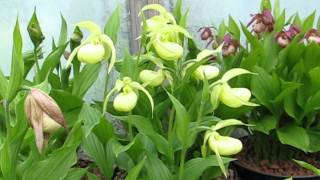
249 160
119 174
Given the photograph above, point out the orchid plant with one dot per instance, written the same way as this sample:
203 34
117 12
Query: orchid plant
156 97
283 52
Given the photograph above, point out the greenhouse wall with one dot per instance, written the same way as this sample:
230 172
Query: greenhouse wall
202 13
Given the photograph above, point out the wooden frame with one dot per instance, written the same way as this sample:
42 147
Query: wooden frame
134 7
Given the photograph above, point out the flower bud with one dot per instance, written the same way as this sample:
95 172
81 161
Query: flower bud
91 53
43 114
234 97
226 146
169 51
152 78
126 100
209 71
34 31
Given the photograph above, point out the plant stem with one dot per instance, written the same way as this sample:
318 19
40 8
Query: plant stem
130 132
7 115
182 159
170 125
36 59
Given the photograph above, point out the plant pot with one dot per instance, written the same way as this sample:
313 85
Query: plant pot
245 173
250 168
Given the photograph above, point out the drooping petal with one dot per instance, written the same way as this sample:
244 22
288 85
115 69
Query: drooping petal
90 26
141 88
107 40
215 95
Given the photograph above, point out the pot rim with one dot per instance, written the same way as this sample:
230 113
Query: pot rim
239 163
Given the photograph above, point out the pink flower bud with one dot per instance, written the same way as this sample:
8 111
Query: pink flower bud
43 114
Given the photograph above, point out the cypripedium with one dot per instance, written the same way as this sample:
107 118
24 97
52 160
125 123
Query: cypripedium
313 35
167 43
43 114
221 145
156 22
284 37
95 48
230 45
127 96
232 97
152 78
207 71
262 22
164 33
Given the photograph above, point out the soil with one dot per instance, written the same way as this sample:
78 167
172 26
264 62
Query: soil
248 159
119 174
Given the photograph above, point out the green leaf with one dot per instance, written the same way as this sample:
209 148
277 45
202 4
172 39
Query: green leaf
9 150
95 149
265 5
61 96
3 84
63 32
134 172
90 118
276 9
182 120
253 40
234 29
294 136
59 162
51 61
177 10
308 22
76 173
129 66
297 20
308 166
56 166
85 79
195 167
112 26
222 29
281 20
104 130
264 125
145 127
17 65
156 169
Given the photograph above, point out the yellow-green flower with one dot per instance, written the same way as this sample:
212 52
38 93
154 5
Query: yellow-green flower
95 48
232 97
127 96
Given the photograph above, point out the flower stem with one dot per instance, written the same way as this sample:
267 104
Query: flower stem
7 116
130 132
182 159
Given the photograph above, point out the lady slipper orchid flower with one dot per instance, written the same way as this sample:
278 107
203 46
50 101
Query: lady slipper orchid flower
221 145
44 115
127 96
232 97
230 45
166 42
284 37
225 145
95 48
157 22
313 35
152 78
207 71
262 22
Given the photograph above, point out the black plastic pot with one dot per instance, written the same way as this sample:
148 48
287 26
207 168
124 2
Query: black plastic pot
245 173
